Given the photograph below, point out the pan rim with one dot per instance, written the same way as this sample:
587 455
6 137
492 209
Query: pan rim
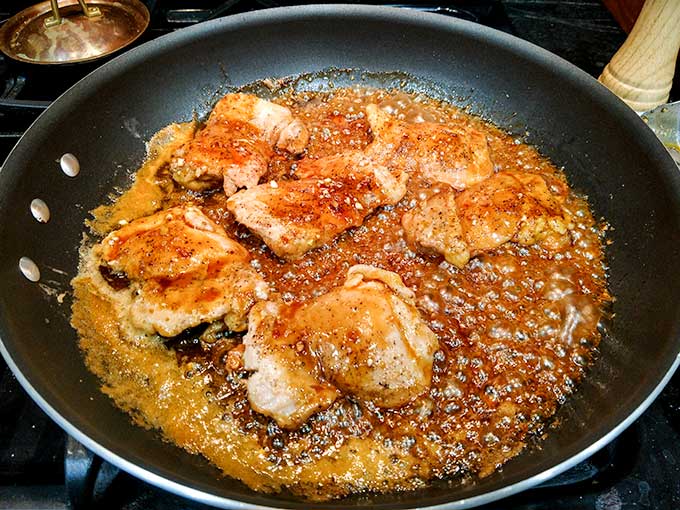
133 56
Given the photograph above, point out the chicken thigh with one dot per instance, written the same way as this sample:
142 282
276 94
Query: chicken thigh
183 271
236 144
457 155
334 194
510 206
370 339
287 383
433 226
365 339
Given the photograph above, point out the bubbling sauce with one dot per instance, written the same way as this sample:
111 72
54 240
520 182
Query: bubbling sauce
517 329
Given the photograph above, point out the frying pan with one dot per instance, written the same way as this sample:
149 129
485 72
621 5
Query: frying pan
606 150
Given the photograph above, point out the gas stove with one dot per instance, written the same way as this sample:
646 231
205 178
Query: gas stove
41 467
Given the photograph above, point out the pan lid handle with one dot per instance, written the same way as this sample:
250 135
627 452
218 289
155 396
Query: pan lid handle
56 18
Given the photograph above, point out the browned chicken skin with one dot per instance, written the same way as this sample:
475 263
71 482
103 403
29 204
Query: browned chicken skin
334 194
509 206
184 270
457 155
365 339
236 144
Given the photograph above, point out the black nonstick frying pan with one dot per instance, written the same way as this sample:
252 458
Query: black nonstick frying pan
606 150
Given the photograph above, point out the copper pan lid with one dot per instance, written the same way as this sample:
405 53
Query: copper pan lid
72 31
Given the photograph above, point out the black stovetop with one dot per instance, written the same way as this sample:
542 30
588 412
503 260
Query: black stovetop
40 467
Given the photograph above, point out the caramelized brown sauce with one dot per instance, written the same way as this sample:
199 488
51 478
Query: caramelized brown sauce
517 327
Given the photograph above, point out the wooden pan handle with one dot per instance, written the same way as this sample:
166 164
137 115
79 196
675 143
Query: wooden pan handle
641 72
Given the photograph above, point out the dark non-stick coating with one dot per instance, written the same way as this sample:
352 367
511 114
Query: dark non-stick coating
104 120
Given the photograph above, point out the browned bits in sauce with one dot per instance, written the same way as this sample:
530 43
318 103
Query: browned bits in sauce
517 326
117 280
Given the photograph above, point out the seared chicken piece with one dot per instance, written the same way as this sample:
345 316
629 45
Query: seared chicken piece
365 338
287 384
457 155
184 270
433 226
276 123
370 339
377 181
335 193
512 207
519 207
237 143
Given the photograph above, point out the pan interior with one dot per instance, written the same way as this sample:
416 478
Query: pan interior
606 151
